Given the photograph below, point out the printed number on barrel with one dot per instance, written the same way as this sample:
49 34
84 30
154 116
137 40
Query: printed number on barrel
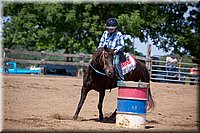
125 122
134 107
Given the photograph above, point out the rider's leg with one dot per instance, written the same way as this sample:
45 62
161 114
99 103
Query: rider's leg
117 66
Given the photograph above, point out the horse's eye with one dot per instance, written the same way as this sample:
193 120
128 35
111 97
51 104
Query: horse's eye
106 55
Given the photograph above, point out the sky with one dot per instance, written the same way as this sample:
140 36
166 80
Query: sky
142 47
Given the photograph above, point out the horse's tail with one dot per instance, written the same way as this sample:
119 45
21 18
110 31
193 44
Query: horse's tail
151 101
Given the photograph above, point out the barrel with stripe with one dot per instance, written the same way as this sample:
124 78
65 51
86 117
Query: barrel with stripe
131 104
133 93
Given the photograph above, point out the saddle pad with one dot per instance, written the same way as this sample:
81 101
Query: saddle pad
129 64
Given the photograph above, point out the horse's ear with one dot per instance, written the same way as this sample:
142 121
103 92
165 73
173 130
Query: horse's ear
113 50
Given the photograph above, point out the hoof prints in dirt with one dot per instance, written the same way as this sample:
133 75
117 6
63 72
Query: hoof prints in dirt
152 121
35 122
65 117
62 117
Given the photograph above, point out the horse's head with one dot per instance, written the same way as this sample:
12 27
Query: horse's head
104 58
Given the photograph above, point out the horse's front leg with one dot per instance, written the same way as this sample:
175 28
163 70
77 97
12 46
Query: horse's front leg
100 104
84 92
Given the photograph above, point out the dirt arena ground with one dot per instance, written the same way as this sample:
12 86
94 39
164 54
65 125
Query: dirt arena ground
47 103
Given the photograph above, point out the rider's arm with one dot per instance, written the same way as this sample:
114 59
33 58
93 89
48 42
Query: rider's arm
120 44
101 43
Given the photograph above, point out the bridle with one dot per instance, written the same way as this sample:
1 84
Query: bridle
103 59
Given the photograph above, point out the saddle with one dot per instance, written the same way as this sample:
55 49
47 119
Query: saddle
128 63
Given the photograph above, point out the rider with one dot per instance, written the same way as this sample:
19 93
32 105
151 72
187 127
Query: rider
171 64
114 40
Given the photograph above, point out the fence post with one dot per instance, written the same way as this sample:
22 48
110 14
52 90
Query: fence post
148 57
42 62
179 68
133 39
80 71
4 62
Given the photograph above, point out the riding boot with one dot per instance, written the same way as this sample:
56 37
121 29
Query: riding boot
119 71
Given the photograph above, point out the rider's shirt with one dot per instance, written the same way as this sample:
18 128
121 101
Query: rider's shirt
112 40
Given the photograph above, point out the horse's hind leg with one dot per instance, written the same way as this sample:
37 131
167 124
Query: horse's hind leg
113 116
100 104
84 92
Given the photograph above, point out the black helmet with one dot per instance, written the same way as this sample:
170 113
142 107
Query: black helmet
111 23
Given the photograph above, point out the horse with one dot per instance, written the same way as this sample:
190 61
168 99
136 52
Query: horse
100 75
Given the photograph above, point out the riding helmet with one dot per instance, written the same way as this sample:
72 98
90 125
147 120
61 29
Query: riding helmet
111 23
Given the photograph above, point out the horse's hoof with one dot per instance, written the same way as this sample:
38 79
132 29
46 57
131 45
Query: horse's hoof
75 117
101 120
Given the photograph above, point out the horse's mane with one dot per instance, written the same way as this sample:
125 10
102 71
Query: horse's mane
97 54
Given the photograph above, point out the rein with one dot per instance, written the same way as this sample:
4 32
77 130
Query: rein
97 70
102 58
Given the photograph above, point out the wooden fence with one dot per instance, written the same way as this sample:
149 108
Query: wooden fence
80 60
42 54
155 67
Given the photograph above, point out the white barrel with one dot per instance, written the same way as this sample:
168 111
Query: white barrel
129 120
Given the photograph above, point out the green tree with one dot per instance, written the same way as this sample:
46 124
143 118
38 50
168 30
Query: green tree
78 27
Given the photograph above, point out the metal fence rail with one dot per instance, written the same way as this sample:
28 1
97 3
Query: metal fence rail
159 73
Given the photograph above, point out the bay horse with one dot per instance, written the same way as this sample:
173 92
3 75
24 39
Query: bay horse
100 75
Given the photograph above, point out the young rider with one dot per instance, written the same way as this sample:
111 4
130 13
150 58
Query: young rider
114 40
